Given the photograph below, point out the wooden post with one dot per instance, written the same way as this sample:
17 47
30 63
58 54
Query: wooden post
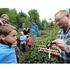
49 52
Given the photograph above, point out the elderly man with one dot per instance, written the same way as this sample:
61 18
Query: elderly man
62 19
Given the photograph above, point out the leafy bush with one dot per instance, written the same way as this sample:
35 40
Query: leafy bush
34 56
39 57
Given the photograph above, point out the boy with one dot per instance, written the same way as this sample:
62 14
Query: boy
8 36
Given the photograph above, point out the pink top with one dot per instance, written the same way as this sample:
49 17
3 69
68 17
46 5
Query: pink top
29 41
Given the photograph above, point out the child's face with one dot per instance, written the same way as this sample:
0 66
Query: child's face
11 38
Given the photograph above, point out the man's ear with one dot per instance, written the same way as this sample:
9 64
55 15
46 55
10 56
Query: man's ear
2 37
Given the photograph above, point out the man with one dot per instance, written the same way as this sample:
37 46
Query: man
62 19
4 19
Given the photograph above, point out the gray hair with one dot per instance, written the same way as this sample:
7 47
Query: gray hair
62 12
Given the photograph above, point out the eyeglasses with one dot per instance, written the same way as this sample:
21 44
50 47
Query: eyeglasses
58 19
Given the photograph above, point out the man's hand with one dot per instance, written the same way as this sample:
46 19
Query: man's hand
60 43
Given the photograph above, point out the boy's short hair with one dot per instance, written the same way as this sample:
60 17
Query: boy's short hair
6 29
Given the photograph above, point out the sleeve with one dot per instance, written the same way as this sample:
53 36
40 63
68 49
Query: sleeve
59 34
67 46
2 54
2 57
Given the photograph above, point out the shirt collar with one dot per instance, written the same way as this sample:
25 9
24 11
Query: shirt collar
2 42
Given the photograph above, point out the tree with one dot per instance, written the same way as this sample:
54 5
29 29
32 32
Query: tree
4 11
22 20
12 16
34 16
25 19
44 24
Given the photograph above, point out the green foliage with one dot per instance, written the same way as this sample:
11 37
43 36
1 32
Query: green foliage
34 56
48 32
22 20
44 24
18 22
34 16
12 16
39 57
4 11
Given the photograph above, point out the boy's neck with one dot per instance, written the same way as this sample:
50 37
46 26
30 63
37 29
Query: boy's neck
3 42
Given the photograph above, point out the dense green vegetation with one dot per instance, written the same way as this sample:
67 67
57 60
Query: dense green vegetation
47 32
34 56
